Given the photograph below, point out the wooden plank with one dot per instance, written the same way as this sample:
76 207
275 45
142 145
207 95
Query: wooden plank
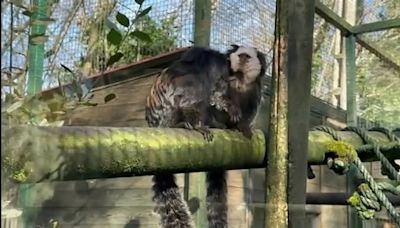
377 26
126 71
333 18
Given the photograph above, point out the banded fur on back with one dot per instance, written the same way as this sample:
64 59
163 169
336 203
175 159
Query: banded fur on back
160 103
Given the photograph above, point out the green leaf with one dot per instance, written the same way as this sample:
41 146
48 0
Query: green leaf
140 2
27 13
122 19
66 68
87 103
114 37
144 12
49 53
141 35
38 39
114 58
109 97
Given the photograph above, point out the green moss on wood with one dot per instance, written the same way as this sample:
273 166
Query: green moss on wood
343 150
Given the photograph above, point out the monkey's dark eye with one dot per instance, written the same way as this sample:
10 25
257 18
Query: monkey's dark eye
244 56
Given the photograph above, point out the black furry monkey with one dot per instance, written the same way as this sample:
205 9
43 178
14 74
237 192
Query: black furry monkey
194 93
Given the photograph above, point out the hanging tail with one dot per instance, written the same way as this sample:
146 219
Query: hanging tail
216 199
170 204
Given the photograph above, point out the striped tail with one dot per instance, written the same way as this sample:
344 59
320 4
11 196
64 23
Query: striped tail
170 204
216 199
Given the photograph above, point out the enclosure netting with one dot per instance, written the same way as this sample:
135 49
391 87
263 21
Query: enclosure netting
77 37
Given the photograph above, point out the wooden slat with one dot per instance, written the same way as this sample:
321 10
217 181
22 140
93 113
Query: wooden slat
377 26
154 63
333 18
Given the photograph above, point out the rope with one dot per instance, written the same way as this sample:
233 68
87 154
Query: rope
388 165
339 163
378 193
368 205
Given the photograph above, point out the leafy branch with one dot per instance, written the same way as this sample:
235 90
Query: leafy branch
115 37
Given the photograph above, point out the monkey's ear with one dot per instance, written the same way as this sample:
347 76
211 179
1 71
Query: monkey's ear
234 46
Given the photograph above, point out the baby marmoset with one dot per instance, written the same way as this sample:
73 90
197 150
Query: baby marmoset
237 103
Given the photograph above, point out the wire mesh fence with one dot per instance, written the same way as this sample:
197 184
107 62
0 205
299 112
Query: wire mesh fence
377 89
77 38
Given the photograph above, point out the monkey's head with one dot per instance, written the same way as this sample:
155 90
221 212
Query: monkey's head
247 63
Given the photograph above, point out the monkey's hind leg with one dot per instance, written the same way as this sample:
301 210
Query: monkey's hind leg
170 205
216 199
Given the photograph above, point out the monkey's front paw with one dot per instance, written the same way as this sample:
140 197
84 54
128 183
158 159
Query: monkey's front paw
235 114
205 131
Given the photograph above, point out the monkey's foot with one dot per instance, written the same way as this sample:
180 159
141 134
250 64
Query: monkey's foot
246 131
205 131
185 125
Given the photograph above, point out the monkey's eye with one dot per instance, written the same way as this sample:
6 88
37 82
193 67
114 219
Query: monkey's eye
244 56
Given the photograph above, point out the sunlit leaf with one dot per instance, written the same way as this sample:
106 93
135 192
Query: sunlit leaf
87 103
15 106
8 83
58 112
122 19
114 37
38 39
10 213
43 21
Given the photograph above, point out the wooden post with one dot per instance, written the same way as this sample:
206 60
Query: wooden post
288 132
195 183
300 47
350 7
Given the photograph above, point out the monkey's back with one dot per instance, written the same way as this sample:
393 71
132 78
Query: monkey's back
186 83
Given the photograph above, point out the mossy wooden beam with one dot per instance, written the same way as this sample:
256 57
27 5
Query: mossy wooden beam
36 154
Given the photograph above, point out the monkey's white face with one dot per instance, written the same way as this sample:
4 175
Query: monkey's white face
245 60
